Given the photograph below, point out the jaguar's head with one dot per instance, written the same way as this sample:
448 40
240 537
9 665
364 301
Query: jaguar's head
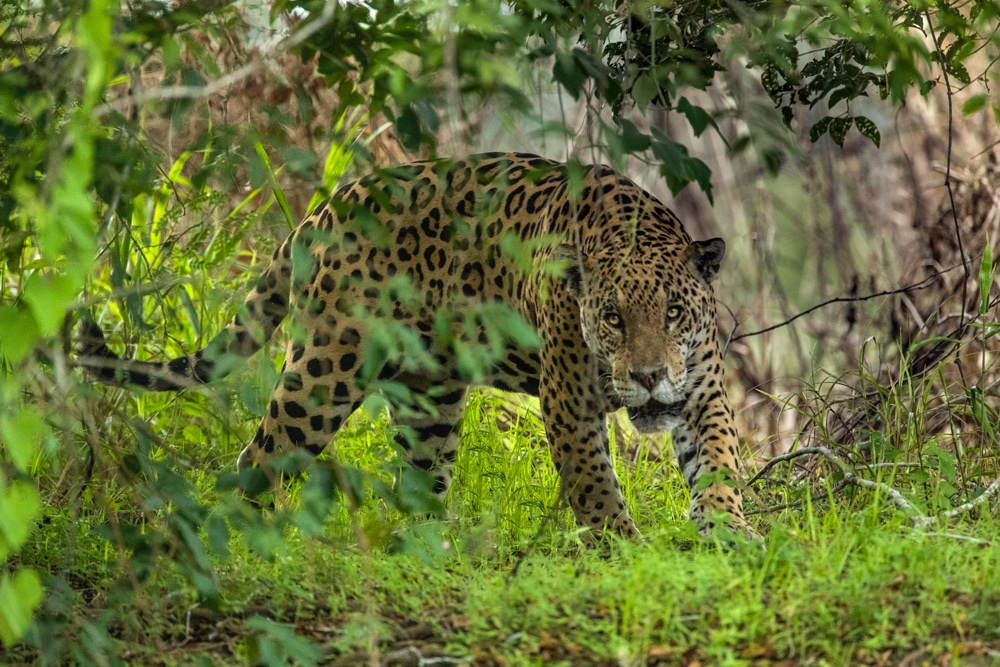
644 316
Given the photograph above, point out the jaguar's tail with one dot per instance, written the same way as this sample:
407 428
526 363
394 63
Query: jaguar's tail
263 310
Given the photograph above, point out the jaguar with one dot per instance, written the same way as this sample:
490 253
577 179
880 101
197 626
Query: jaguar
619 295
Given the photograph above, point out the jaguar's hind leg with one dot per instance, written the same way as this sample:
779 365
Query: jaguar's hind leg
429 437
309 405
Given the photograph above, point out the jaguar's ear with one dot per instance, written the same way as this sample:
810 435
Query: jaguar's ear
572 261
706 257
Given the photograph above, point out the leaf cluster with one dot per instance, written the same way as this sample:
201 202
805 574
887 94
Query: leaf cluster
820 53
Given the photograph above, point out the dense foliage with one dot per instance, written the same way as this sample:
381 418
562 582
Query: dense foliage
126 189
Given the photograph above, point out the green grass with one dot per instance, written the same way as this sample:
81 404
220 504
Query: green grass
504 579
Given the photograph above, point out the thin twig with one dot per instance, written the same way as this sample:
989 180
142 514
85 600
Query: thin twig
947 179
410 655
953 536
784 457
732 332
778 508
923 284
947 171
895 464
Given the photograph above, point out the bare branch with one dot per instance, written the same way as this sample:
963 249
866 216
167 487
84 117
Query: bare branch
983 497
810 451
850 477
797 503
951 137
923 284
844 299
953 536
893 494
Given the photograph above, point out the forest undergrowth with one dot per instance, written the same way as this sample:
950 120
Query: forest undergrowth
847 575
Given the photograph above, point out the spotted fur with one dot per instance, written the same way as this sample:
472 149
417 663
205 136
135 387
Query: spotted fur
631 322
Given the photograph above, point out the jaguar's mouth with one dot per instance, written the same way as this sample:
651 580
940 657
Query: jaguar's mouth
653 416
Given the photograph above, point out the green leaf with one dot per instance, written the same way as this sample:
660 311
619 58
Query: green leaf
19 596
974 104
991 329
19 505
469 363
986 275
709 478
275 643
740 144
633 139
945 460
279 194
702 175
677 167
769 79
839 95
191 310
21 435
868 129
933 340
698 118
416 492
957 70
672 166
408 129
820 128
839 128
773 159
961 48
787 114
645 90
18 331
48 297
568 74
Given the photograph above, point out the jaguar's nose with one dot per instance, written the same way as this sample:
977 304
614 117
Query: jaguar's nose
649 379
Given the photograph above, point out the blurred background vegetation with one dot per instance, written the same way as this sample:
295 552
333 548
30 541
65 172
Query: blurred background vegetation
152 154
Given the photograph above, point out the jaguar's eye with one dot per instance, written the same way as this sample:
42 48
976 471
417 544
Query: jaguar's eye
673 312
613 319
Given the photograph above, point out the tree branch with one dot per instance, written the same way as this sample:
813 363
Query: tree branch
923 284
810 451
850 477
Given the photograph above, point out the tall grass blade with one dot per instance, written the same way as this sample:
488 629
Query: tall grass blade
986 275
279 194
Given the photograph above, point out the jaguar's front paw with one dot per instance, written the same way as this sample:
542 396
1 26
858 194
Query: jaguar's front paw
620 526
732 528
